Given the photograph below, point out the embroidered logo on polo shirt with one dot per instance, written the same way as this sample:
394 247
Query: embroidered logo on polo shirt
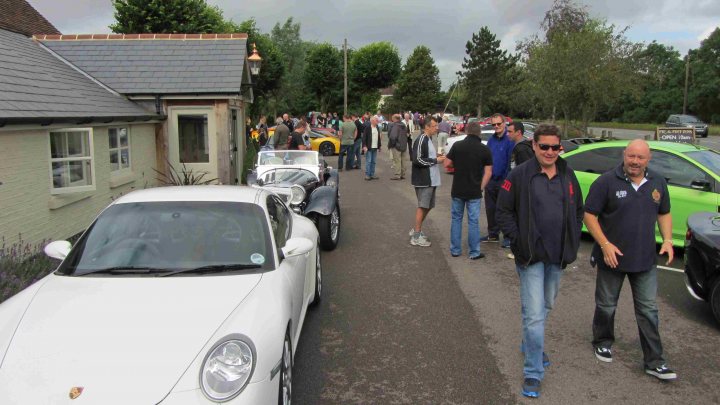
656 196
621 194
506 185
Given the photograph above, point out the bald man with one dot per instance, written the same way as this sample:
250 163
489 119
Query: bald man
621 211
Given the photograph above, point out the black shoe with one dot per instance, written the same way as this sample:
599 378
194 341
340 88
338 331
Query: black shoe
662 373
603 354
531 388
479 256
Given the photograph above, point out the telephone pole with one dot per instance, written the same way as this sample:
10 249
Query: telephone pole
687 74
345 77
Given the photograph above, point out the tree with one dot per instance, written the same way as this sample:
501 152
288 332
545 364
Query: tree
581 66
324 73
292 95
167 16
375 66
704 93
419 83
485 68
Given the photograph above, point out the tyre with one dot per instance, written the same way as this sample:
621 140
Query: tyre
285 386
329 228
318 277
326 149
715 299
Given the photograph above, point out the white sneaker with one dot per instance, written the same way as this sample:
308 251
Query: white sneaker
412 231
420 241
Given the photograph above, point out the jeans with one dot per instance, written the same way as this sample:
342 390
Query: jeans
370 159
457 212
644 290
357 150
539 284
346 149
492 191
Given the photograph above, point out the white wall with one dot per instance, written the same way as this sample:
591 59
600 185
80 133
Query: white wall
27 206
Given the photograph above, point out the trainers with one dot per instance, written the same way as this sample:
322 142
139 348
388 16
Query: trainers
603 354
662 373
419 240
395 178
505 243
368 178
531 388
546 360
489 238
411 232
510 256
374 177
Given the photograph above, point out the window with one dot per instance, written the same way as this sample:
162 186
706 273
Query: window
677 171
193 138
119 145
598 161
71 160
279 220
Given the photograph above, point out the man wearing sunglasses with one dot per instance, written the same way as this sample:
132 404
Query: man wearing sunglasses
501 147
540 209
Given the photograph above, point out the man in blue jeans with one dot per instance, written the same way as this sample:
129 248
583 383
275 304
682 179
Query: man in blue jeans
371 142
473 167
540 210
623 207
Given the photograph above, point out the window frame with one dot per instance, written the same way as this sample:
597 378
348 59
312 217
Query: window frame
89 158
118 150
657 153
277 202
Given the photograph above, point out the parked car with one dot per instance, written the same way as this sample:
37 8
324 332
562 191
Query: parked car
692 173
192 294
702 259
327 145
306 184
688 121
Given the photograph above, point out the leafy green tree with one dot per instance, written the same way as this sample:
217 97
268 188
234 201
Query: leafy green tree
704 93
485 68
324 73
292 95
419 84
167 16
375 66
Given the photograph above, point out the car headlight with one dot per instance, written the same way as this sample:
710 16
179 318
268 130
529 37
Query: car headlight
297 194
227 368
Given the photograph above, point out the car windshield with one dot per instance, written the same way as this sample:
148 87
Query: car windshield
294 176
707 158
287 157
689 119
155 237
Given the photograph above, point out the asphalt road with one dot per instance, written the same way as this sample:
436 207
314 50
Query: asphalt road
408 325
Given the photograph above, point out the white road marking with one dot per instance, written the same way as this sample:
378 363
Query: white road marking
671 269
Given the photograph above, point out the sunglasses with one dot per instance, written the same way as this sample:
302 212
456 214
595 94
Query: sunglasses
496 124
544 146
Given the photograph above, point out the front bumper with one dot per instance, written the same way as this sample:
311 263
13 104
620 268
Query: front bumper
258 393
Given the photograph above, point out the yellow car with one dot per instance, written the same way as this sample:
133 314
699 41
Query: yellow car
254 133
327 145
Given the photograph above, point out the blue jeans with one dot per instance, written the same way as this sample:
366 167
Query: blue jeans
644 290
457 212
370 159
539 284
357 151
346 149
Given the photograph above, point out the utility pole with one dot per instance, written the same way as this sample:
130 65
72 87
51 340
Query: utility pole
687 74
345 78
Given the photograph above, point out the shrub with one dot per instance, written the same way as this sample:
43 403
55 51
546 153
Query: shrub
22 264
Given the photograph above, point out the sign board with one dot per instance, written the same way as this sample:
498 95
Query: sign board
682 135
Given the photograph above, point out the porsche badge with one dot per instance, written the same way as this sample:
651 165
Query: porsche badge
75 392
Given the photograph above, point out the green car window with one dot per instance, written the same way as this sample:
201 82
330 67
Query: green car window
707 158
676 170
598 160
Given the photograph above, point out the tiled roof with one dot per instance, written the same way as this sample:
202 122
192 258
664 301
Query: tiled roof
149 64
37 86
19 16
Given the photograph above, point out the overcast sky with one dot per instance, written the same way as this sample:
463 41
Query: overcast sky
443 26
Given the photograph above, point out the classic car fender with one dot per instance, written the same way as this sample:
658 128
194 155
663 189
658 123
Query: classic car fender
332 179
322 200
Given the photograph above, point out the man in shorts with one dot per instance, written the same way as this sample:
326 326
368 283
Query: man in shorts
425 178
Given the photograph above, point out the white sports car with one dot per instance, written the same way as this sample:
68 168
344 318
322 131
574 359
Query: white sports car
173 295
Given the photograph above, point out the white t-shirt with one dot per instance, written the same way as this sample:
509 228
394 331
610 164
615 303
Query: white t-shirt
374 143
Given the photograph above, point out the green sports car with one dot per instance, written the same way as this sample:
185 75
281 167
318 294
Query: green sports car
692 173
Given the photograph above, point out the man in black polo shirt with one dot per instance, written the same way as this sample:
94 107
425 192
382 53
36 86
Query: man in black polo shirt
621 210
473 167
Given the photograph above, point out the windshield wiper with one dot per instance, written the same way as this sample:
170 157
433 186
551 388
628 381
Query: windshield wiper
126 270
214 268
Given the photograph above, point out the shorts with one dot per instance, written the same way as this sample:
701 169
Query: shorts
425 197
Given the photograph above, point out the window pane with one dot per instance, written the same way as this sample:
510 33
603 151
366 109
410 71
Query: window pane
125 158
114 161
57 145
60 178
677 171
112 138
596 161
193 138
708 158
122 134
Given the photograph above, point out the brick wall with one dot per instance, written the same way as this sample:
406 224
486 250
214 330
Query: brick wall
26 203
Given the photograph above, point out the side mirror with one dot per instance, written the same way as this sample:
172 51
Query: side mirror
296 247
701 185
252 177
58 249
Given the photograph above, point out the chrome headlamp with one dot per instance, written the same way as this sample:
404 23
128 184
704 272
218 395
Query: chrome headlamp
297 194
227 368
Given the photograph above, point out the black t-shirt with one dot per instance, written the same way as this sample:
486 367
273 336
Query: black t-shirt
628 218
469 158
296 139
360 128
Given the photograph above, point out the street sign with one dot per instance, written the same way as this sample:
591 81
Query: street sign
682 135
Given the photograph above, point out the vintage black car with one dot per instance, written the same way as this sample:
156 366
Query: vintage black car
306 184
702 258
